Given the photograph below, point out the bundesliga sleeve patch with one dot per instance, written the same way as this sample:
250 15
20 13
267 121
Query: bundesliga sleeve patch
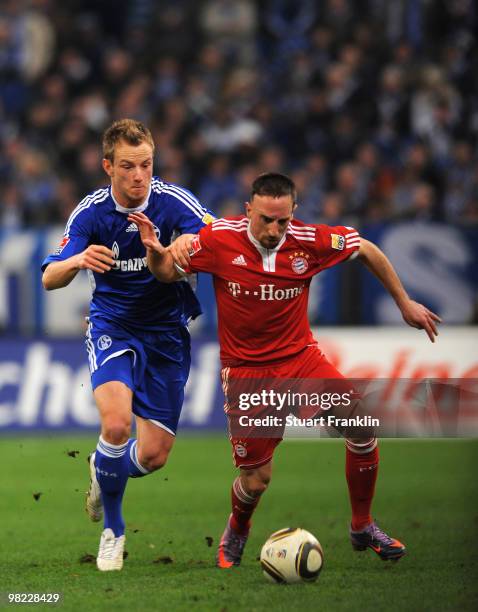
208 219
65 240
195 246
337 242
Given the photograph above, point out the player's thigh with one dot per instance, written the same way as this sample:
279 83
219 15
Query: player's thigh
154 442
114 401
117 362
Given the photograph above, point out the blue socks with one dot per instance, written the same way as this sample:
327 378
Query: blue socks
111 462
114 465
135 469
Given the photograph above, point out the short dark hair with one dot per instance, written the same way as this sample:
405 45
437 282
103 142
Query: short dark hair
275 185
131 131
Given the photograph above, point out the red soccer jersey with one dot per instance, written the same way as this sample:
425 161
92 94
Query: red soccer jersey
262 293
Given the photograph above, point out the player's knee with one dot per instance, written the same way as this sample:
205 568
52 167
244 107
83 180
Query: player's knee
257 484
153 461
115 431
257 487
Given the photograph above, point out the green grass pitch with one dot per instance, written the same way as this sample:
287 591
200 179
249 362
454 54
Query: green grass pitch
427 495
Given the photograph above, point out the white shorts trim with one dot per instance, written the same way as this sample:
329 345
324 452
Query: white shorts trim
161 426
118 353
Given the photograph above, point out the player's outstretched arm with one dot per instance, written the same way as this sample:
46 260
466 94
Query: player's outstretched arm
160 260
413 313
96 257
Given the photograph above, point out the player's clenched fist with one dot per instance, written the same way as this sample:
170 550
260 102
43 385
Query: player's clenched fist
97 258
180 250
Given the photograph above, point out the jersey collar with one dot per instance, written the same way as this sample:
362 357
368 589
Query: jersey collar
268 255
259 246
140 208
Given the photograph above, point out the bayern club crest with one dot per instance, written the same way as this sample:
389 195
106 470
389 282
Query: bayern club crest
241 450
299 264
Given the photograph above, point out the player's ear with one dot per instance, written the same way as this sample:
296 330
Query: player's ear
248 209
107 167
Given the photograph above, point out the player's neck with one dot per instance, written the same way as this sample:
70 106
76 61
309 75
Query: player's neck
124 205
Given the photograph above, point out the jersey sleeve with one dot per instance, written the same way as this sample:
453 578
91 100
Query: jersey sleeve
202 252
192 216
335 244
76 238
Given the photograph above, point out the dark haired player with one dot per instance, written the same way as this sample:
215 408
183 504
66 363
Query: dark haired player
262 265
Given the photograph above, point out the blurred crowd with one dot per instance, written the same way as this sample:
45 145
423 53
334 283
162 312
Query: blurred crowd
371 106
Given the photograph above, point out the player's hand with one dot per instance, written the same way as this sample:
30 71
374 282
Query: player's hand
97 258
146 231
417 315
179 249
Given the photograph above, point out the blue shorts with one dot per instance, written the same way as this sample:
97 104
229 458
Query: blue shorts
154 365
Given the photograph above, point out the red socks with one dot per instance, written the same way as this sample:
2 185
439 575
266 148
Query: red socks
243 505
361 469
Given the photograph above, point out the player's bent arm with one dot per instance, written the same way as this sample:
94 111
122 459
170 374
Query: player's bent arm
159 259
59 274
161 264
413 313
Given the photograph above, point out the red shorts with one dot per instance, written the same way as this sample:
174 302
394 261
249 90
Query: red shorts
250 451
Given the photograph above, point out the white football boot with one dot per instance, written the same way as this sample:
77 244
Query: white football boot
110 553
94 505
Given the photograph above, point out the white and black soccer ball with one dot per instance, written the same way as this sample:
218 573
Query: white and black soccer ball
292 555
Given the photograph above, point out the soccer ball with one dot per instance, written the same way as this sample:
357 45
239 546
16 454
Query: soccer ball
292 555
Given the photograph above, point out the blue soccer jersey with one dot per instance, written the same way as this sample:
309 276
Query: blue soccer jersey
128 293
